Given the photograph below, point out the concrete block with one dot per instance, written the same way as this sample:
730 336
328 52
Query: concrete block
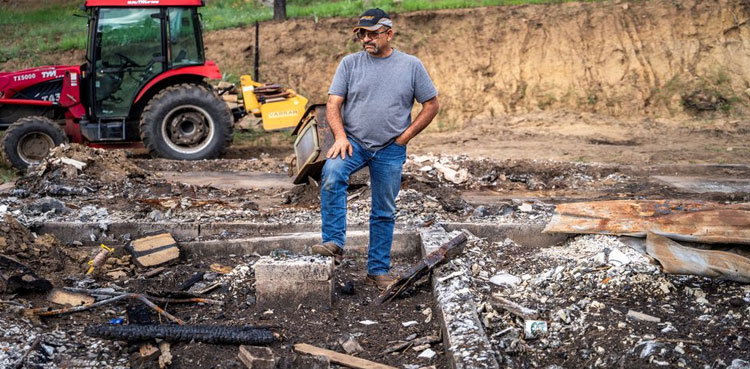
286 283
255 357
290 294
303 268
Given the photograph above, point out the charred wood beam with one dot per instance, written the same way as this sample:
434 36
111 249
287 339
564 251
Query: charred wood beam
181 333
446 252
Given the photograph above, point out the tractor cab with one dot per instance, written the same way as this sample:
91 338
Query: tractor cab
130 44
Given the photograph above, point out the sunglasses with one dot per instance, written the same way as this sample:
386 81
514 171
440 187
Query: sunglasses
361 34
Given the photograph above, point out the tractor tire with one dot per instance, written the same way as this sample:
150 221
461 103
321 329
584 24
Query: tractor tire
29 140
186 122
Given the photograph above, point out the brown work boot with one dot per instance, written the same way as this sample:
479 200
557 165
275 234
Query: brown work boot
329 249
381 281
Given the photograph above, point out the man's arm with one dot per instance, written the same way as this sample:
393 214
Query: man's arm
333 115
429 111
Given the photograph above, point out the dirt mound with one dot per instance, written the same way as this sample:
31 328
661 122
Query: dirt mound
15 238
76 170
44 255
658 58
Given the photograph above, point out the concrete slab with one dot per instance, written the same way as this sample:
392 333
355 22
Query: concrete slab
230 180
255 229
68 232
706 184
522 234
467 346
405 243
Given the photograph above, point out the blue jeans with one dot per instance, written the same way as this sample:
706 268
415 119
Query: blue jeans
385 180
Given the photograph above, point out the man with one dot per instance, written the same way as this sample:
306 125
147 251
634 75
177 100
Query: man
369 112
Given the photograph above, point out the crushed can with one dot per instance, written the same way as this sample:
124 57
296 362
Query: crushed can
534 329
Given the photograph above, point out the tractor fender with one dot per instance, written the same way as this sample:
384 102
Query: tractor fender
208 70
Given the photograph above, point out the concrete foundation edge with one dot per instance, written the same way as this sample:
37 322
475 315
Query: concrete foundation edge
466 344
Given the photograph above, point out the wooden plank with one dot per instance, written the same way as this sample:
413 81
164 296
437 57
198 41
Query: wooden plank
695 221
678 259
62 297
154 250
339 358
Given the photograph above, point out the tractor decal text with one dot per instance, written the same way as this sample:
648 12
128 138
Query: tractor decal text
24 77
280 114
48 74
55 97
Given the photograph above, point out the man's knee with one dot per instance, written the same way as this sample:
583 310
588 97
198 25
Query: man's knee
335 173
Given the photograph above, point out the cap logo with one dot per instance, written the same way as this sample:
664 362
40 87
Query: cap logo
367 17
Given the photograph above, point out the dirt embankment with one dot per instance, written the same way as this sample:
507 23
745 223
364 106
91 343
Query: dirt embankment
613 58
657 58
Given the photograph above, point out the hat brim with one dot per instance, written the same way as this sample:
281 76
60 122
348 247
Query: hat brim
370 28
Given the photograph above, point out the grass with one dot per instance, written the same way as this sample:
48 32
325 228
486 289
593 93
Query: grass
56 27
7 173
259 137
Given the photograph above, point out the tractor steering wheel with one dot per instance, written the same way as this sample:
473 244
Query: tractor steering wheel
126 62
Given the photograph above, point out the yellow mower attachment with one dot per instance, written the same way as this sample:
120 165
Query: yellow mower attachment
279 108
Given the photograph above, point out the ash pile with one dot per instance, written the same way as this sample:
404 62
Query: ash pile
596 301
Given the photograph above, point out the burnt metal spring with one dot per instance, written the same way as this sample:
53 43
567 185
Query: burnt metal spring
181 333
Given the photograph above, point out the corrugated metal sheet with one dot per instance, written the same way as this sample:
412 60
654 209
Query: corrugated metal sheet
677 259
695 221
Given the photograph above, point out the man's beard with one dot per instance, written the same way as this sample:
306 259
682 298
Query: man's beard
375 49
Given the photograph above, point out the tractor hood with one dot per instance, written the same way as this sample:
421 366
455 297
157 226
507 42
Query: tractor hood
25 77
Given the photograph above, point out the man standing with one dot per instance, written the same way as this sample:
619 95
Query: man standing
369 112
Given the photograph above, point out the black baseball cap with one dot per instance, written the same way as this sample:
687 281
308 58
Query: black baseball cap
373 19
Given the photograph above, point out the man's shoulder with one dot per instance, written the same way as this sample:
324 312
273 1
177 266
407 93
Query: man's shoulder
353 57
411 59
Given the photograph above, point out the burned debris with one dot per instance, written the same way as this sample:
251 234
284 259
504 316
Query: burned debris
196 266
184 333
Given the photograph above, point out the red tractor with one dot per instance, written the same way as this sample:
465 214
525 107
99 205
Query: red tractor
143 81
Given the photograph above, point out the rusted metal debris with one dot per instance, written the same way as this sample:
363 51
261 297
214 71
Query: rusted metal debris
678 259
695 221
447 251
217 334
117 296
17 277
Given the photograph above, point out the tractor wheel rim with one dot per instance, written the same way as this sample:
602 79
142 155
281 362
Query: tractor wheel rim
34 146
188 129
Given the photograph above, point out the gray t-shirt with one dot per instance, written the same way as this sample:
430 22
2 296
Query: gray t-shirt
379 94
